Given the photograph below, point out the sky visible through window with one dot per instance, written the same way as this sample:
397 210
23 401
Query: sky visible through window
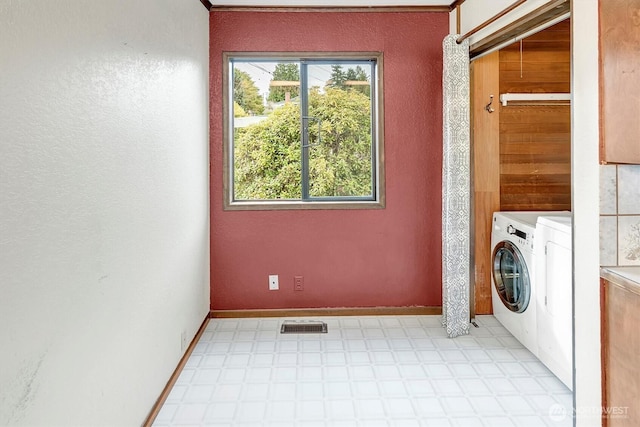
262 73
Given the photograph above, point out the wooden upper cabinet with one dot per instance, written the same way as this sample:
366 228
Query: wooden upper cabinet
620 81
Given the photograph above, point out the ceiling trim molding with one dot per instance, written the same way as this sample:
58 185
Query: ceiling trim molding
360 9
455 4
207 4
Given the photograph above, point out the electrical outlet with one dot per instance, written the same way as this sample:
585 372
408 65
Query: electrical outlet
183 341
273 282
298 283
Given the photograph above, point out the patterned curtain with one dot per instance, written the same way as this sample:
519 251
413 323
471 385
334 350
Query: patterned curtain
456 189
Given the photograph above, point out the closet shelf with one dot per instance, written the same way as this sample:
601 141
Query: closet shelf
535 98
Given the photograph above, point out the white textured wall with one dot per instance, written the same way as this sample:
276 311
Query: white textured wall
103 204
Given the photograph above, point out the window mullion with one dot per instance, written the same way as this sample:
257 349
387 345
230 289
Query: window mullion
304 143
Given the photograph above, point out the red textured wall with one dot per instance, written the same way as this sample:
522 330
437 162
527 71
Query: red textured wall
349 258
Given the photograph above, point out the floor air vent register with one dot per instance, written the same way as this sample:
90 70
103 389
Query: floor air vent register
308 327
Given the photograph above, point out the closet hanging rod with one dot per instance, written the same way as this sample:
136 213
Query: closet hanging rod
555 98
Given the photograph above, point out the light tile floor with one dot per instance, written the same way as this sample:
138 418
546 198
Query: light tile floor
366 371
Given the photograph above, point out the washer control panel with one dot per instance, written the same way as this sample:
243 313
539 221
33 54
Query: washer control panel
515 233
521 237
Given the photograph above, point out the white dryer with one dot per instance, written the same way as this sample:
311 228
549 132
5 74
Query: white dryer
553 270
512 281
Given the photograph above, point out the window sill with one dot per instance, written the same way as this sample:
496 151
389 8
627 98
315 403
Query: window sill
300 205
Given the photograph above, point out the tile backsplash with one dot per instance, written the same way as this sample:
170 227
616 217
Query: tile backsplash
619 215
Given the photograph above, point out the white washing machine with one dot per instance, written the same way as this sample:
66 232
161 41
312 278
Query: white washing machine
554 273
512 284
513 278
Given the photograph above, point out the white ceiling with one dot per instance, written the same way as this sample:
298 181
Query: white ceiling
332 3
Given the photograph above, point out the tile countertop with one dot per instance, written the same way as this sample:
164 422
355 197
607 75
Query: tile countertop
627 277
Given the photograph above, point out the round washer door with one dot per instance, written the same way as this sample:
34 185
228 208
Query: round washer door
511 277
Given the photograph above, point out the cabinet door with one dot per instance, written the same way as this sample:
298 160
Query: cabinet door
553 305
621 346
620 81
